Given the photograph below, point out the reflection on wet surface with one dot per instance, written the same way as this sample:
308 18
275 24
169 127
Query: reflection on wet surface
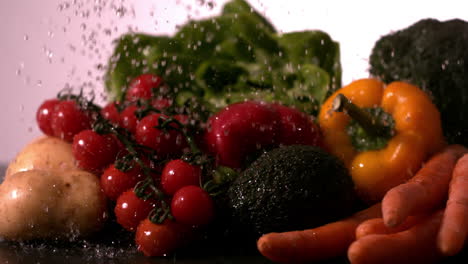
94 254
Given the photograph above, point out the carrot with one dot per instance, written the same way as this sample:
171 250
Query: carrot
412 246
425 191
454 229
377 226
324 242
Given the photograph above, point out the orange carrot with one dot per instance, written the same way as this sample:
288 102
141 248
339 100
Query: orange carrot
425 191
454 229
377 226
324 242
412 246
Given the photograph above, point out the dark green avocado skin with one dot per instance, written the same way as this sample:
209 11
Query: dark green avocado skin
290 188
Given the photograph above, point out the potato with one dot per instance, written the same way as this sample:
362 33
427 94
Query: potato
44 153
39 204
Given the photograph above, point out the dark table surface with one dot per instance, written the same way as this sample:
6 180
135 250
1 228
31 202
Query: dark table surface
100 254
14 253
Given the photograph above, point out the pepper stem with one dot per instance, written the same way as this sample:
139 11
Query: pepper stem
368 122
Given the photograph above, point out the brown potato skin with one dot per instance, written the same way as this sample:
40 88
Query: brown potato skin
27 205
43 153
83 208
39 204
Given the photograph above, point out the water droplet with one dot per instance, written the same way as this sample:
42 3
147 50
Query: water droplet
120 11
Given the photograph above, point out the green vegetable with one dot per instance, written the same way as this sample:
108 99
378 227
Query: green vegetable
290 188
314 47
242 7
434 56
231 57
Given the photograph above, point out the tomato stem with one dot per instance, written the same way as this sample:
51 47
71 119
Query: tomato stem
164 123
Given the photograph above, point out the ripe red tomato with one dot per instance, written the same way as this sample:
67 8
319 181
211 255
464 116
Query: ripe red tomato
166 143
43 116
184 119
114 182
68 119
143 87
239 130
296 127
161 103
131 210
128 119
92 151
191 205
159 239
177 174
111 113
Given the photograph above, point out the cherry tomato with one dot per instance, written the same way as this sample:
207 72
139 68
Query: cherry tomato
191 205
184 119
43 116
128 119
68 119
159 239
111 113
94 152
143 87
166 143
161 103
121 149
296 127
177 174
241 129
114 182
131 210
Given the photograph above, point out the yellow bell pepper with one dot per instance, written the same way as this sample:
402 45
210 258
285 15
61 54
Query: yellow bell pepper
384 145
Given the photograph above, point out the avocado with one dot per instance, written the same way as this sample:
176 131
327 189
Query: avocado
290 188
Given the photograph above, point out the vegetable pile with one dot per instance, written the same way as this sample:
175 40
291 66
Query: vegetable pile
230 128
161 166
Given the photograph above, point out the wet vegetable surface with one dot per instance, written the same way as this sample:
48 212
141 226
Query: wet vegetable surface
105 250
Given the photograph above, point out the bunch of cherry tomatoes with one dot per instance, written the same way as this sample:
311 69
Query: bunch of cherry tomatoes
156 161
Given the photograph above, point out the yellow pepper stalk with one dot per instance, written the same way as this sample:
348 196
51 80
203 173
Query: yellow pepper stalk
382 134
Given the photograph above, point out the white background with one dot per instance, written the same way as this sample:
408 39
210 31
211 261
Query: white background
48 44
